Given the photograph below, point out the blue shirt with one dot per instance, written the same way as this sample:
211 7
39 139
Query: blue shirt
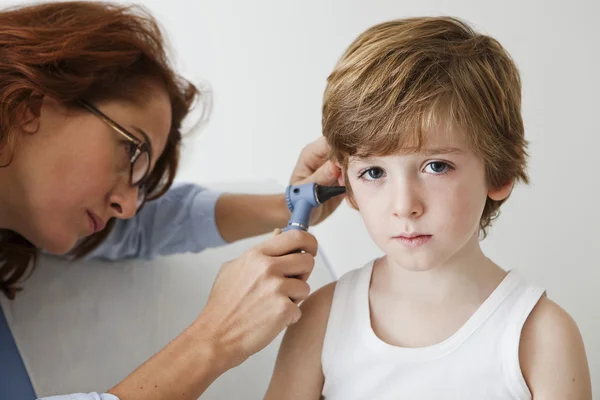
181 221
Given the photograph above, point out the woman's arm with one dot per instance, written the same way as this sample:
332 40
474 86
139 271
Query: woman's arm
252 301
82 396
240 216
298 373
182 370
552 355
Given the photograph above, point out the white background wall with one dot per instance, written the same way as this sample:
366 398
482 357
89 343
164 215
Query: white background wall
267 62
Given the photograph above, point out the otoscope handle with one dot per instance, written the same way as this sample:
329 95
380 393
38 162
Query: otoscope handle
300 218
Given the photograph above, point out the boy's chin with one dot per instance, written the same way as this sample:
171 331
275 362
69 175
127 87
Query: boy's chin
414 263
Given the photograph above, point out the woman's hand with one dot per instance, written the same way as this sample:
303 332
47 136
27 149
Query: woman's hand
256 296
253 299
313 166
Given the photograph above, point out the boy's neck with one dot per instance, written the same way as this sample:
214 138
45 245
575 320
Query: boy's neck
469 275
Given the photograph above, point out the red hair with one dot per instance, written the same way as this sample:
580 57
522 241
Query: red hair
73 51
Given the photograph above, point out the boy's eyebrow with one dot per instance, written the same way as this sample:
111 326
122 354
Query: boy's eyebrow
359 159
425 152
441 150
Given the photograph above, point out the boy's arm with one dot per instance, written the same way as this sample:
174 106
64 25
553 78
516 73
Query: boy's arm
298 373
552 355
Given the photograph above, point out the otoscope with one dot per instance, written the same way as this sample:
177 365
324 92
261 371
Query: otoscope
301 199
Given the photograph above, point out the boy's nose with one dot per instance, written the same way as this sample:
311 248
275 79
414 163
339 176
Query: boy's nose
408 201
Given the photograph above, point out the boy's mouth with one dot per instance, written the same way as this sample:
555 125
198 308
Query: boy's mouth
412 240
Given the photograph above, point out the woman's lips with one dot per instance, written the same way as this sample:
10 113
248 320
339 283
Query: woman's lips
96 223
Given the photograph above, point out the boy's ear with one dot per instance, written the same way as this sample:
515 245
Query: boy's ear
341 179
502 192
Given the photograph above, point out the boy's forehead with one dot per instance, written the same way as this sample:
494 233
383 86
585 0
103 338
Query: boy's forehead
437 139
443 135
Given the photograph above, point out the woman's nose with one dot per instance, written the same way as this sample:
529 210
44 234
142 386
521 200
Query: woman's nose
124 201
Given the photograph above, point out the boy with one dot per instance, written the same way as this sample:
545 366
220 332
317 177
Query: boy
423 117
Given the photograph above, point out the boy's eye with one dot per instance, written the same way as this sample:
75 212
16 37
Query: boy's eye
371 174
437 167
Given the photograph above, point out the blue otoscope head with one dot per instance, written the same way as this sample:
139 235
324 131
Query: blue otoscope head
301 199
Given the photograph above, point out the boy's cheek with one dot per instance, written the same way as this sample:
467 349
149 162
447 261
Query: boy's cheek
363 199
462 219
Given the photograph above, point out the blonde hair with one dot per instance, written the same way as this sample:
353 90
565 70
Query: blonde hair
399 78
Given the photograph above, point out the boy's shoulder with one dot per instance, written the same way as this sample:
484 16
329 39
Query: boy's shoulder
320 301
308 333
550 326
316 308
318 305
551 341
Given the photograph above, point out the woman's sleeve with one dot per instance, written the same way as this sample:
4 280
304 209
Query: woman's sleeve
83 396
181 221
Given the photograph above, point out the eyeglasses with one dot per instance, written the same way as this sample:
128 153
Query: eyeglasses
140 153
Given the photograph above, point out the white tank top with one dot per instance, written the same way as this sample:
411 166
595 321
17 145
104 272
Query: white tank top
480 361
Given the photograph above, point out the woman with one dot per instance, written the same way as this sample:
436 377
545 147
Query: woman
90 118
